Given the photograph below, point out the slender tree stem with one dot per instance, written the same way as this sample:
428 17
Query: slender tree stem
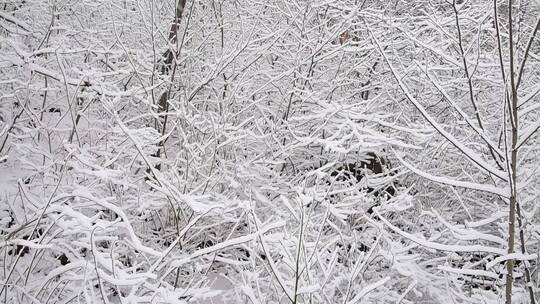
513 165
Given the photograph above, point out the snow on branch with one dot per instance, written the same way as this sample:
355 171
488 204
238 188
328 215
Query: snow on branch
471 155
504 192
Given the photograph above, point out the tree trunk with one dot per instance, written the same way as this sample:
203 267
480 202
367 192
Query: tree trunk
167 69
513 109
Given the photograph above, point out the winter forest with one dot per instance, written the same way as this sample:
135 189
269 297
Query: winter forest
277 151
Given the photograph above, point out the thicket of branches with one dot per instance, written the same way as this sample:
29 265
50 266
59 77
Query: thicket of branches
149 147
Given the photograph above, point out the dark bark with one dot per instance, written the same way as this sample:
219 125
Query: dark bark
167 69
